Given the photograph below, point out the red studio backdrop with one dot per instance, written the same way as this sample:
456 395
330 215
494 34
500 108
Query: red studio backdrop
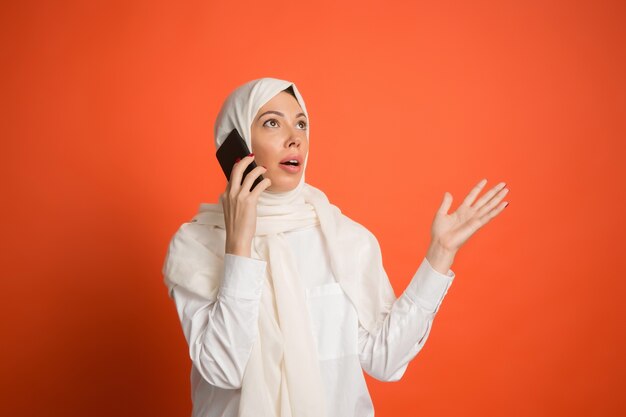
107 148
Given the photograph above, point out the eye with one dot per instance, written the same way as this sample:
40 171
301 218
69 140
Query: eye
274 121
302 124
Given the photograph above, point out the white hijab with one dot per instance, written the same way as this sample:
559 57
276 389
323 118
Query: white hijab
282 377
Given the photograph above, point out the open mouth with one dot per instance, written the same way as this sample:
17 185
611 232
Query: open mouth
292 166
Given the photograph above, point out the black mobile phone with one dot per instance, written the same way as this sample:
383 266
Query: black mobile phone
232 148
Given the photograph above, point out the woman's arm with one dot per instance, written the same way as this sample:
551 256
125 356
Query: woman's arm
405 329
220 333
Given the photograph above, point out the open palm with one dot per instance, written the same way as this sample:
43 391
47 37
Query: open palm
454 229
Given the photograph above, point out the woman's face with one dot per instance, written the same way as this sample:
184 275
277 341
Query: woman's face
279 135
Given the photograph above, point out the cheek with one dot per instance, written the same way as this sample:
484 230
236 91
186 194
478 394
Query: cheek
265 153
259 145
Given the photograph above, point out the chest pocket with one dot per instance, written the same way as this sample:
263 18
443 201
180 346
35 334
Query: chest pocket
334 321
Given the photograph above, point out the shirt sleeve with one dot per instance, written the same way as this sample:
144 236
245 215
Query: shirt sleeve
405 329
220 333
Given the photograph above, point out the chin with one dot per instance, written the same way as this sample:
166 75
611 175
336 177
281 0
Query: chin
283 187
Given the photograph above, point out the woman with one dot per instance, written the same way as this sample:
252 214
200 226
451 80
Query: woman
283 300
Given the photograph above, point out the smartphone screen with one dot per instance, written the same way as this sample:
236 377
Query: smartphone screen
232 148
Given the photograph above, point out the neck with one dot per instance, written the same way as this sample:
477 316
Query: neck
273 198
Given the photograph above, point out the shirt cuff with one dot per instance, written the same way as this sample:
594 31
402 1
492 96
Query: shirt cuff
429 286
243 277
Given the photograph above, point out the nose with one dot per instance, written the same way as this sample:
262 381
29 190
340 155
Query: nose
294 138
295 141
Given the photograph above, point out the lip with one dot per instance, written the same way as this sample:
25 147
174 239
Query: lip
294 156
291 168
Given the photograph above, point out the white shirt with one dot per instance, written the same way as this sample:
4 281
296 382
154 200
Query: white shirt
220 333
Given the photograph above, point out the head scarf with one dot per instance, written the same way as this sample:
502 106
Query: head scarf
282 377
238 112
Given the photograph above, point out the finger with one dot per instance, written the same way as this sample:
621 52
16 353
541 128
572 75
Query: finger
260 187
469 199
445 204
237 173
492 203
251 177
493 213
225 201
239 168
488 195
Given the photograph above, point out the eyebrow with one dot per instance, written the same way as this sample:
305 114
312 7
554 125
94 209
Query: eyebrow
278 113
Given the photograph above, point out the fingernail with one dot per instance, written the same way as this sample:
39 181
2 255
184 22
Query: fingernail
251 154
237 160
264 166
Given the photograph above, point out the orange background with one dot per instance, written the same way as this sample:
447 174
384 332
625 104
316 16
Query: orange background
107 147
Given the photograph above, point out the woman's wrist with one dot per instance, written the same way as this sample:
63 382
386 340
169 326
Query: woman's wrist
440 257
238 249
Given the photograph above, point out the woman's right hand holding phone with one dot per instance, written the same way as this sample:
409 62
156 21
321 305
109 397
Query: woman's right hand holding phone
239 205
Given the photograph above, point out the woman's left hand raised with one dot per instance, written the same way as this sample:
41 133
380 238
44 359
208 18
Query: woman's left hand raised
450 231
